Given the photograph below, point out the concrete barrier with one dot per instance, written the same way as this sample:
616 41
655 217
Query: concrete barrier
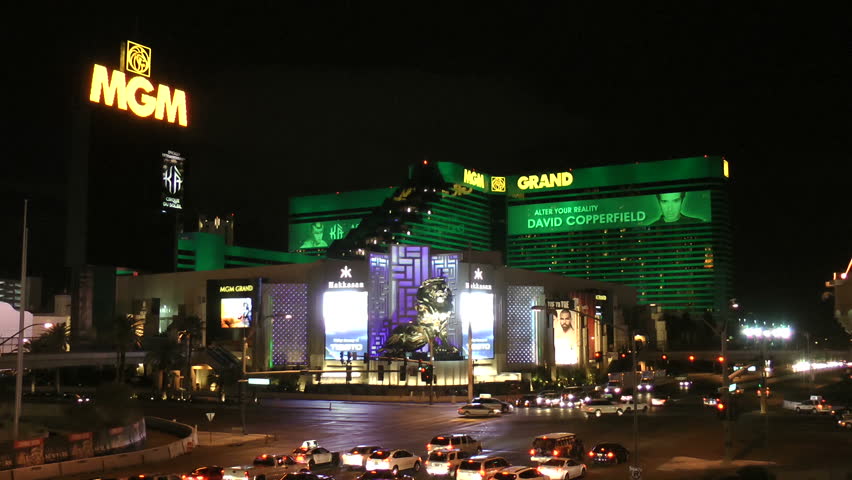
38 472
5 475
122 460
176 449
157 454
83 465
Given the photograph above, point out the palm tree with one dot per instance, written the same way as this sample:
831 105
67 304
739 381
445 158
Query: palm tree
125 334
54 340
187 332
164 354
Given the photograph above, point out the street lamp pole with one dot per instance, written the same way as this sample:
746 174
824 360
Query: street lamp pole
19 376
635 410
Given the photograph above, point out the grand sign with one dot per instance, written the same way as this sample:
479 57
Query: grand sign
143 98
545 180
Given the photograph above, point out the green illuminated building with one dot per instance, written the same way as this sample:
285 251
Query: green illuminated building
661 227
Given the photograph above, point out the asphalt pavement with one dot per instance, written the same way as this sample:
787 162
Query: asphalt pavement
683 439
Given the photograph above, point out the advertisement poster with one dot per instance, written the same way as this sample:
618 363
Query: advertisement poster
236 312
319 234
345 315
172 190
673 208
477 312
566 336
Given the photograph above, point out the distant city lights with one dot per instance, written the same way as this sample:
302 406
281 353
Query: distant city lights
783 332
803 366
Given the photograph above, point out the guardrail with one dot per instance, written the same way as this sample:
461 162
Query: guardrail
188 439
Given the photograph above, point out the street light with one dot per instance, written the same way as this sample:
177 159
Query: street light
19 375
46 325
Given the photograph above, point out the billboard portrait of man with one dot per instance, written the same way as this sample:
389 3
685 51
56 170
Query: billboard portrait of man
315 240
670 210
566 337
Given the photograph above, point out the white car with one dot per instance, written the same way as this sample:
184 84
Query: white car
646 385
479 410
519 473
443 463
357 456
312 454
562 468
393 460
599 407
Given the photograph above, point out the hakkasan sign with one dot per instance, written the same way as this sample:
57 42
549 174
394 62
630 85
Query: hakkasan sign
673 208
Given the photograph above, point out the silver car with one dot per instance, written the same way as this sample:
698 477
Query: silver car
479 410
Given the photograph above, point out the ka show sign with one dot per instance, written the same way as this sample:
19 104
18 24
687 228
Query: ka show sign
609 213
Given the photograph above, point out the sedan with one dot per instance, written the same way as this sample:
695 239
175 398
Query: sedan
609 453
504 406
562 468
384 475
519 473
306 476
526 401
479 410
312 456
206 473
357 457
394 460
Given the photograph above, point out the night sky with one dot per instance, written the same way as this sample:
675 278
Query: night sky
299 100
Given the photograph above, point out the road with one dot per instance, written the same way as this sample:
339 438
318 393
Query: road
682 428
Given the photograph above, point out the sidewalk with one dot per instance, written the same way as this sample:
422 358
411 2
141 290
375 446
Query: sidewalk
218 439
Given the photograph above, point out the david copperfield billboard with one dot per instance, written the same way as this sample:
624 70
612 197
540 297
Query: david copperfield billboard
670 208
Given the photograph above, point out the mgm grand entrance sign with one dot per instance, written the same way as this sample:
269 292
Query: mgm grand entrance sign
122 89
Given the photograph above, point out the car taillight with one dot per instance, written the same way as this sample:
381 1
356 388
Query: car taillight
556 453
610 455
482 473
591 454
246 474
532 451
300 458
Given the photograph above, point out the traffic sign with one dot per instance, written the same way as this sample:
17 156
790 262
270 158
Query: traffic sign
210 416
636 473
732 387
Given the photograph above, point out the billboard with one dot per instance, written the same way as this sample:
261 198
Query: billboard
566 333
670 208
319 234
345 315
172 188
477 316
236 312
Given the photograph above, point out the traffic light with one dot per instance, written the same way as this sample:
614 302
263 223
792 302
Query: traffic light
720 409
720 359
599 357
403 371
342 361
381 373
426 374
423 374
692 358
348 373
623 355
664 357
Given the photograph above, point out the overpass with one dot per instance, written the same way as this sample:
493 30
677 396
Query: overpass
746 356
44 361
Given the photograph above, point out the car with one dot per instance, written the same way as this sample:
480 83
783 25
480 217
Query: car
556 444
759 391
481 467
683 381
306 476
205 473
154 476
600 407
609 453
574 397
443 463
518 473
845 421
266 466
526 401
711 400
357 456
394 460
505 407
384 475
479 410
312 454
455 441
540 396
559 468
646 385
659 400
549 400
612 387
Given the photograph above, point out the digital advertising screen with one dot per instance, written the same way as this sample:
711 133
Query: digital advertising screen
672 208
566 336
319 234
236 312
345 315
477 310
172 190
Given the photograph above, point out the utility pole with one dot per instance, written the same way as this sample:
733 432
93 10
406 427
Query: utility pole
636 472
19 375
431 368
726 422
